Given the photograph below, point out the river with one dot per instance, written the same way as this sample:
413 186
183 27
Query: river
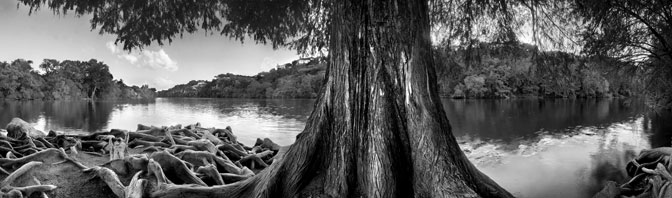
533 148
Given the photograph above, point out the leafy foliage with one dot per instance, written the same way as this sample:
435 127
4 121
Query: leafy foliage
633 32
636 33
292 23
495 71
64 80
18 80
465 23
506 70
299 79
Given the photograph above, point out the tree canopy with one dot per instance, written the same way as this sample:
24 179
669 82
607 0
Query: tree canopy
301 25
277 22
638 34
66 79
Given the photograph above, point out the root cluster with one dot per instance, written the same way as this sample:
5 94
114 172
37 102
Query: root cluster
649 176
126 163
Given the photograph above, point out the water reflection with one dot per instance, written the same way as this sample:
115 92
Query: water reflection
511 119
556 148
280 120
569 165
659 125
534 148
69 116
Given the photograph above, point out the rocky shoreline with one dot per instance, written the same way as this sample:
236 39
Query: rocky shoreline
648 176
121 163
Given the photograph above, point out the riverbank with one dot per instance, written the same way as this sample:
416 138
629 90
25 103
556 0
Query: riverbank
65 80
120 163
544 132
485 70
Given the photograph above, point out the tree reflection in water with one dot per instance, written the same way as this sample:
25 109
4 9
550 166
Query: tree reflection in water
534 148
610 161
70 116
659 125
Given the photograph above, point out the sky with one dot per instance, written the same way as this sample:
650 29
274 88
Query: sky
194 57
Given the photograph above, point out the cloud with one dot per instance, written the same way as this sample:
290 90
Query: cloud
128 57
162 83
159 60
153 59
112 47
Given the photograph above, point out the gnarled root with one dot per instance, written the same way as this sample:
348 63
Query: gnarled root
61 179
197 158
47 156
176 169
111 179
18 173
203 145
210 172
139 142
175 159
127 167
136 188
650 176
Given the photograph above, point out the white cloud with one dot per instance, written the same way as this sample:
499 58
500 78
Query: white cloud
152 59
162 83
159 60
129 57
112 47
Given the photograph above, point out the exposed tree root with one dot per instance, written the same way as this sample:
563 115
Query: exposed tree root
176 169
140 142
111 179
172 158
210 171
650 172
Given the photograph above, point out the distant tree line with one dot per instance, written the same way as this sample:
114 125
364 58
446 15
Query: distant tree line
66 79
300 79
483 71
514 69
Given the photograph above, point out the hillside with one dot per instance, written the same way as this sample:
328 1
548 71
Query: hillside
502 71
484 71
300 79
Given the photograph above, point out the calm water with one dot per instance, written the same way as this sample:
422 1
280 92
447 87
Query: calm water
534 148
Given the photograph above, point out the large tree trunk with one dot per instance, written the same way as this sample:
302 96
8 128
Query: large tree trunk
379 128
93 93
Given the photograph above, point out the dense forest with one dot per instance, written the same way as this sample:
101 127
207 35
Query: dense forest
302 78
515 70
65 80
481 71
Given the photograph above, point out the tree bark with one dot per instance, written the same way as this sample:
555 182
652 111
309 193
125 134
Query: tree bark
378 128
93 93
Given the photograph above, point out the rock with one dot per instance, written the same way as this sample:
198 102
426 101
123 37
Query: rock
17 128
193 126
610 190
174 127
226 134
267 144
144 127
